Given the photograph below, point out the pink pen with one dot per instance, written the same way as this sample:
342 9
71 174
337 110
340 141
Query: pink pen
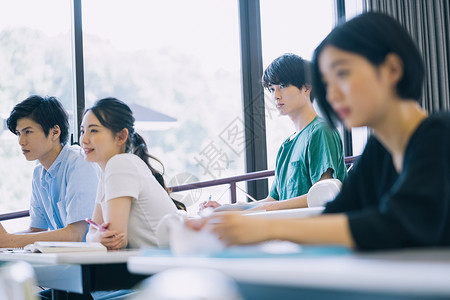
95 225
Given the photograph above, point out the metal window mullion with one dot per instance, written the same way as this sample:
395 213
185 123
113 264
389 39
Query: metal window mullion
253 95
77 68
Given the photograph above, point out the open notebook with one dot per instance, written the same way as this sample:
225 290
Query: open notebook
56 247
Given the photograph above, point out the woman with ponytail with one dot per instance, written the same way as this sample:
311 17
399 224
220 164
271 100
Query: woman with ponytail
131 196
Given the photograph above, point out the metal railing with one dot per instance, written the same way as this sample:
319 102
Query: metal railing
15 215
229 180
198 185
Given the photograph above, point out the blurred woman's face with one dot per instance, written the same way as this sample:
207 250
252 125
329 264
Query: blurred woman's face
359 92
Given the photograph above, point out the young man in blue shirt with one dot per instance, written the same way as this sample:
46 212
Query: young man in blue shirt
64 185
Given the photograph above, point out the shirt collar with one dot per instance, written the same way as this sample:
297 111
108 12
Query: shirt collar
53 170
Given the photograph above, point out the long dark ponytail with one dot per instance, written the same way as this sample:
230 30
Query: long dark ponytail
115 115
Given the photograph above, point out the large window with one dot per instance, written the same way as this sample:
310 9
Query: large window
35 58
298 26
177 64
290 26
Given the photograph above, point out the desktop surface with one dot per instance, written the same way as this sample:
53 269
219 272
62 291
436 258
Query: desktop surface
80 258
79 272
412 273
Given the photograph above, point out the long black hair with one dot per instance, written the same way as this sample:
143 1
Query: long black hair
115 115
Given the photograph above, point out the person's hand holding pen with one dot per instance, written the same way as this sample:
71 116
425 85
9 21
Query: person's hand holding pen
111 239
209 203
98 227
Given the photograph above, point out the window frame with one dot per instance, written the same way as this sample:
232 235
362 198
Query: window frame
252 91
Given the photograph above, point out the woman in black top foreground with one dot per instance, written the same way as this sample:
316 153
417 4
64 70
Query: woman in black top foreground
368 72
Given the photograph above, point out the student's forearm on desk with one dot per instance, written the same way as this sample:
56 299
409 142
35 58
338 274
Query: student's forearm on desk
30 230
71 233
267 199
110 239
325 229
297 202
235 229
115 223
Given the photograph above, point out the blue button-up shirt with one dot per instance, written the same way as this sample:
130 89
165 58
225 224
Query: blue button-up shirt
65 193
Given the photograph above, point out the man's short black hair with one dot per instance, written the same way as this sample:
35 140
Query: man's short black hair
46 111
289 69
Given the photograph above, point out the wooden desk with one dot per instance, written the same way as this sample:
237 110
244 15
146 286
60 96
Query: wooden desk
406 274
81 273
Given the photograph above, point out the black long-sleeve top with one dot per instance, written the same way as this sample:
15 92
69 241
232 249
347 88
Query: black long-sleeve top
387 209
